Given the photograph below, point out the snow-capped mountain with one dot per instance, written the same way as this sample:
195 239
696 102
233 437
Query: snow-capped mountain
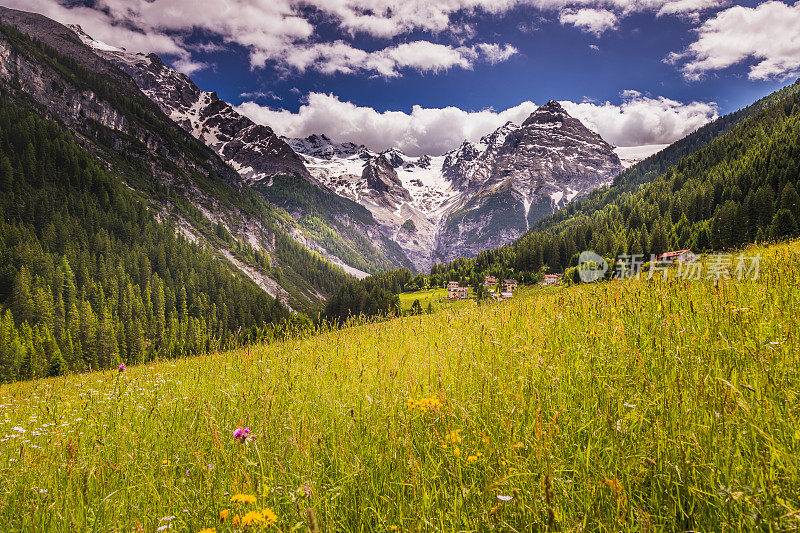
436 208
342 231
479 196
253 150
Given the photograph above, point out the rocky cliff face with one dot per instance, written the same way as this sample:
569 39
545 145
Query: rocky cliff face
253 150
518 175
481 195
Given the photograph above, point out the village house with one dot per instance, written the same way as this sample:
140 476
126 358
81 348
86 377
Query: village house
678 256
551 279
506 295
452 285
456 292
510 285
490 281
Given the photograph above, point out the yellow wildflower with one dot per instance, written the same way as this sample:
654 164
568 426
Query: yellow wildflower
472 458
208 530
252 518
269 516
237 521
243 498
456 451
454 436
424 403
223 515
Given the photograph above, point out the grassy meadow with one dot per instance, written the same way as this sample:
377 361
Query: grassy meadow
425 297
436 297
620 406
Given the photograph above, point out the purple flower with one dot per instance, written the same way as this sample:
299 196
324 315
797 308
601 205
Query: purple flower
241 434
121 367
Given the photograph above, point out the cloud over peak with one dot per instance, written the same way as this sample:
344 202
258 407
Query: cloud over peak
638 120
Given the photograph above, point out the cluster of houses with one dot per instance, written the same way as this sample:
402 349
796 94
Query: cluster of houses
674 257
456 292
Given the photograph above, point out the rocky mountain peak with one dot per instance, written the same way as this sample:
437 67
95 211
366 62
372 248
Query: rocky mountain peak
321 146
381 177
550 114
395 157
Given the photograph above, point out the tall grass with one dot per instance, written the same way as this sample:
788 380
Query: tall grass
621 406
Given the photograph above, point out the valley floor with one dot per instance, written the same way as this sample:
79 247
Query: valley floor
619 406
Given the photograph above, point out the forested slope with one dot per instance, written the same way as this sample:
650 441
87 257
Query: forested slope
89 278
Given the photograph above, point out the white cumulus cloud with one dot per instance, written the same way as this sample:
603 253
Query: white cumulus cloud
284 32
766 36
594 21
639 120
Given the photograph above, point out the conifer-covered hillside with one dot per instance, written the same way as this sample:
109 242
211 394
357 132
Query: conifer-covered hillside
183 180
89 278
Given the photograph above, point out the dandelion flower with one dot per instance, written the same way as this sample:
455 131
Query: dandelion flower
236 521
269 516
243 498
208 530
223 515
252 518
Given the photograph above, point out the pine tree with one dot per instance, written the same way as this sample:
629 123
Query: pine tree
783 225
6 174
22 300
790 200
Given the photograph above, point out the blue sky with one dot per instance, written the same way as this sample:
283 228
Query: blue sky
424 74
554 62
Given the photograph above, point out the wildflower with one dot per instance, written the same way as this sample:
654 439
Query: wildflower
304 491
121 367
424 404
269 516
243 498
517 446
236 521
208 530
252 518
454 436
472 458
456 451
223 515
241 434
